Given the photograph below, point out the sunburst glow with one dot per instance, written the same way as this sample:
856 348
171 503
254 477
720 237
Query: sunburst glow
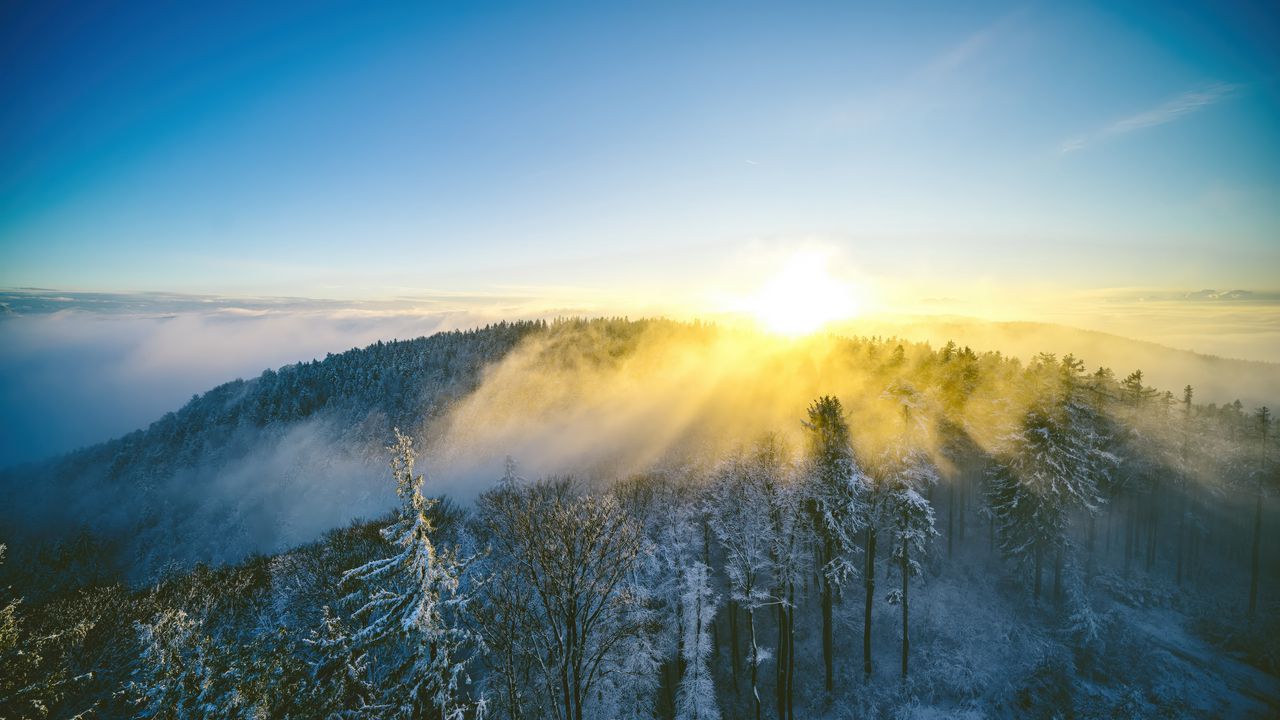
803 297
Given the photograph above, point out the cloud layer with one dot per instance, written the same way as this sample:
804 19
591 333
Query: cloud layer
80 368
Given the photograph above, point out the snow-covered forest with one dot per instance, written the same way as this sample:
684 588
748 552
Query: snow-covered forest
617 519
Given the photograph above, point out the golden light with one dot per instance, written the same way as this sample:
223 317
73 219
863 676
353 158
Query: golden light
802 298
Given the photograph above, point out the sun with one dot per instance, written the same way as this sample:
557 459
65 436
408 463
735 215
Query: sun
802 297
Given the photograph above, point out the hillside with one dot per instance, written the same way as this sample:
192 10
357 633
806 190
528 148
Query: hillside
252 465
264 464
1052 542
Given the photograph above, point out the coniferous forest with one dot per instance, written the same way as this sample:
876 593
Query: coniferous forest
652 519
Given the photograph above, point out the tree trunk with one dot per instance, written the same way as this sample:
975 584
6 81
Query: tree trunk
780 668
1038 554
1257 543
1129 533
706 560
755 660
1111 510
870 578
1151 531
991 533
791 650
734 657
951 515
1057 577
828 645
906 640
1093 536
1182 534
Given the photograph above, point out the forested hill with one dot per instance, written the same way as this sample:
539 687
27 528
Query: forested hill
1006 538
222 476
265 464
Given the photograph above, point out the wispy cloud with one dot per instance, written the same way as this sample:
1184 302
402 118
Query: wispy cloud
919 88
969 48
1178 107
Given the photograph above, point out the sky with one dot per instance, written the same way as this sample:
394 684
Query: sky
341 150
392 168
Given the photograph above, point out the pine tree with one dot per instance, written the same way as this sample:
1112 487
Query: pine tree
836 507
910 521
1049 466
413 596
1186 480
1263 419
341 673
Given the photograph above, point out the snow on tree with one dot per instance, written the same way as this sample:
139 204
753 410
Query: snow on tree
910 521
34 677
344 689
836 504
697 696
791 556
744 529
174 679
413 597
1047 466
583 625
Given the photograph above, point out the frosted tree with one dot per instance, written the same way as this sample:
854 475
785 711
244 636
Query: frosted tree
1262 474
413 596
791 556
837 507
1048 467
910 521
1186 479
582 624
697 697
741 523
341 673
174 679
34 674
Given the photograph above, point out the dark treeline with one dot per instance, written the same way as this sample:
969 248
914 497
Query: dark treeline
968 534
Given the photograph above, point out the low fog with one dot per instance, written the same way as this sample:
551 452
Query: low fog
1217 379
668 396
76 377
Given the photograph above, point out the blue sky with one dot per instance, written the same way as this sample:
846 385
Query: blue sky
361 150
407 168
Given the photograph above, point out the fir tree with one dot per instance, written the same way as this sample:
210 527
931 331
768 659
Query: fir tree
910 521
414 596
836 506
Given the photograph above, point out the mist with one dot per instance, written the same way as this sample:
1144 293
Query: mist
580 399
75 377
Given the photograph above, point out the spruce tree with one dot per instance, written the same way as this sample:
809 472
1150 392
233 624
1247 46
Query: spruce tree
836 506
414 597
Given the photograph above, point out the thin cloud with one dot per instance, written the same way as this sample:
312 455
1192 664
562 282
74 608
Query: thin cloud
920 87
1180 106
970 48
